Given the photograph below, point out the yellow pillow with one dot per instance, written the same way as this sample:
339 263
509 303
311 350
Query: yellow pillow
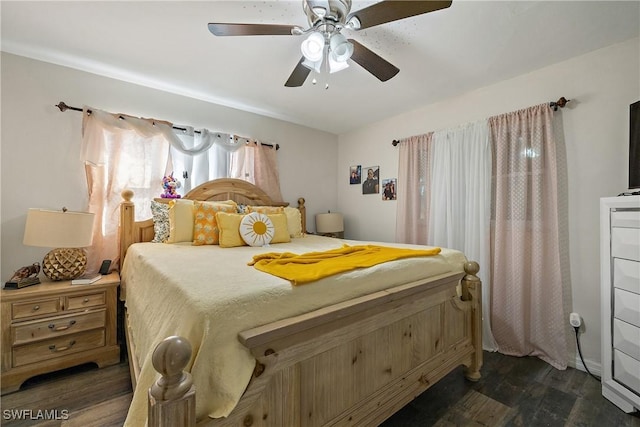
180 221
294 221
265 209
256 229
205 226
225 202
229 225
281 234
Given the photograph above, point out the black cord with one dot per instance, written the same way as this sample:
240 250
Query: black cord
576 328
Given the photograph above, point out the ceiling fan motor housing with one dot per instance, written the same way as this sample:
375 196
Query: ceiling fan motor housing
338 11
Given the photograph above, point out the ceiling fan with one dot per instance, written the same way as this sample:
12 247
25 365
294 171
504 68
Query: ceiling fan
325 48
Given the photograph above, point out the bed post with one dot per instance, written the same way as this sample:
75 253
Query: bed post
172 398
472 291
127 217
303 214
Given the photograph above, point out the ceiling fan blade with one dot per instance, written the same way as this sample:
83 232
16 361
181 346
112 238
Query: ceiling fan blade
221 29
372 62
299 75
393 10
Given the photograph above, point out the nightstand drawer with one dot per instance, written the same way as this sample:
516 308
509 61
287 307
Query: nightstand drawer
85 301
24 310
26 332
58 347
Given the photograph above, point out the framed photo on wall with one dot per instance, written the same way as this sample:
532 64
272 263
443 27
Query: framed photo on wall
355 174
371 182
389 189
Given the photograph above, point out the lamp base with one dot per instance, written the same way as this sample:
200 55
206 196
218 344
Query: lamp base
64 263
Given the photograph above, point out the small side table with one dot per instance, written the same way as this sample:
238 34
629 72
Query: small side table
56 325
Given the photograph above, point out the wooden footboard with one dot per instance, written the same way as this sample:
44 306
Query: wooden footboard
353 363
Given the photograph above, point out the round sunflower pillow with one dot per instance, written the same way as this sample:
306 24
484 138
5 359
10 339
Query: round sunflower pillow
256 229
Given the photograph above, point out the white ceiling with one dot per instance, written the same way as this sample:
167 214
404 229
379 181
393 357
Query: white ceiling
167 45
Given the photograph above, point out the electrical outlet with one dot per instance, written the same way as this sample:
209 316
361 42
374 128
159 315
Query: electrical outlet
575 320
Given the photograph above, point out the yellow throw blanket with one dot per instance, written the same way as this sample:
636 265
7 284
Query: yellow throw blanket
311 266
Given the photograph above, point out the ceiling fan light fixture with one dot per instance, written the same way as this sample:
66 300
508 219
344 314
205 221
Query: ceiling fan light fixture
353 23
313 47
335 66
341 48
313 65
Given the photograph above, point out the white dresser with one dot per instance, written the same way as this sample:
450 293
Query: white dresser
620 292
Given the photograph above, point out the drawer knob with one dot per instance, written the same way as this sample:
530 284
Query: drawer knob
85 300
36 307
54 348
53 326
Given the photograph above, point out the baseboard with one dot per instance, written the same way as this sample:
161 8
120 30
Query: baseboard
594 368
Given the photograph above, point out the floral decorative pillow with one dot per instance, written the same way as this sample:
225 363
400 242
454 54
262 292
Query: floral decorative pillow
161 228
205 225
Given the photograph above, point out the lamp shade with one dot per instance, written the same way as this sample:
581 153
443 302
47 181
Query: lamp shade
58 229
329 223
65 231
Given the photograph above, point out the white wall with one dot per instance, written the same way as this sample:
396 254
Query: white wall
41 168
40 145
601 86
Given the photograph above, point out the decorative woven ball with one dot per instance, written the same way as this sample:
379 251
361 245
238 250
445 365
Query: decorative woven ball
64 263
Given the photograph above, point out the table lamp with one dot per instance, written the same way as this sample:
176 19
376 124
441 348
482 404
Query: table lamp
66 231
330 224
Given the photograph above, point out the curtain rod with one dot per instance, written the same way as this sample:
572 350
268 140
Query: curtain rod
559 103
62 106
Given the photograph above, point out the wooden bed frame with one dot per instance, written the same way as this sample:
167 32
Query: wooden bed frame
351 363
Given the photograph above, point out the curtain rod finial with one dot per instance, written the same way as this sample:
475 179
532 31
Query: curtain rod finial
559 103
62 106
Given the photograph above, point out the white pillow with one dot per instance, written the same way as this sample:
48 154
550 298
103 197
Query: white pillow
256 229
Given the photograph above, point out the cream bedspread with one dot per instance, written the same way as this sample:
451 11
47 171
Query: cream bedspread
209 294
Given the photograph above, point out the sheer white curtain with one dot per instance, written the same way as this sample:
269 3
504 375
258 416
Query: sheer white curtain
527 301
120 152
460 202
444 198
202 155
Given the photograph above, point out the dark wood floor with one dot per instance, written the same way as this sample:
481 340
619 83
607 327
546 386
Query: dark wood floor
512 392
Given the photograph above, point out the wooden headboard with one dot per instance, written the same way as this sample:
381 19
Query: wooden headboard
242 192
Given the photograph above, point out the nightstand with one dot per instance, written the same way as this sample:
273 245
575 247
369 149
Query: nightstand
56 325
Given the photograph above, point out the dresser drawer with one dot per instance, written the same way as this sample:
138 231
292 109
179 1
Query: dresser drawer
626 370
625 218
624 243
86 301
26 332
626 275
626 338
35 308
58 347
625 307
